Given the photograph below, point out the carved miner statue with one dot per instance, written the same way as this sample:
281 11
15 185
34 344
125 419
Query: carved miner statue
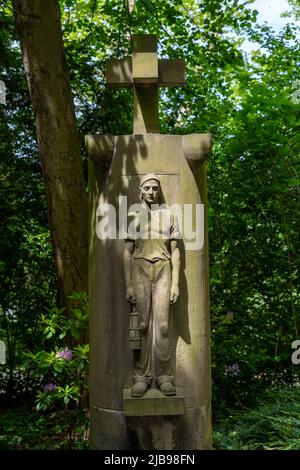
151 264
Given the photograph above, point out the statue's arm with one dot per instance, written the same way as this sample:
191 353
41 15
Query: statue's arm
175 258
127 263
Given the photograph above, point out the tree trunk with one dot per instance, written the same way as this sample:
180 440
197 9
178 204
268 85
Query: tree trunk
39 29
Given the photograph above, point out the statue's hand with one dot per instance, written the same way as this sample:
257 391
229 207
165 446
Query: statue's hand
174 294
130 296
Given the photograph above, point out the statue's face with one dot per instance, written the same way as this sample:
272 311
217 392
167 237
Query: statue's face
150 191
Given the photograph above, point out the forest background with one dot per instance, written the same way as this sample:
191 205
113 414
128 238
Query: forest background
242 85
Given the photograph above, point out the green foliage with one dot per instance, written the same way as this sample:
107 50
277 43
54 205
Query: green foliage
254 235
252 173
61 370
274 425
56 323
23 429
65 367
27 278
253 182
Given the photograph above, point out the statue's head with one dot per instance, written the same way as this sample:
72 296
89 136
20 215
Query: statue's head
150 188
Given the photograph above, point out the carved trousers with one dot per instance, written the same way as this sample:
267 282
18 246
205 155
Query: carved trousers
152 286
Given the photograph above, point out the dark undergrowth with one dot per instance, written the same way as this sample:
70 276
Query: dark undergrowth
272 425
23 428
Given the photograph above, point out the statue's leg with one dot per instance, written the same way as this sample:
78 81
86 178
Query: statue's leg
161 307
142 284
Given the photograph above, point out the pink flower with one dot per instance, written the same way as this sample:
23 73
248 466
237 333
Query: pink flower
65 354
49 388
230 315
233 370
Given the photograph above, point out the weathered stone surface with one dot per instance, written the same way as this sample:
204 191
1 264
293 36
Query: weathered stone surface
100 148
153 403
110 430
178 161
156 432
188 432
170 72
133 157
145 109
146 73
196 148
145 67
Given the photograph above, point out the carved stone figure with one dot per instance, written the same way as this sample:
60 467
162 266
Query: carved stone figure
151 264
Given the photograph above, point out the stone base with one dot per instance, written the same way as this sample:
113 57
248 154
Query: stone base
109 430
153 403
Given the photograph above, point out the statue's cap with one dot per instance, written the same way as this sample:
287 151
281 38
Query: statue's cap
149 176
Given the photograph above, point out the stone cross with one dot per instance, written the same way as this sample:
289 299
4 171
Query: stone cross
145 73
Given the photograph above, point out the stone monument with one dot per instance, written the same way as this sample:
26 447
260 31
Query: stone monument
176 415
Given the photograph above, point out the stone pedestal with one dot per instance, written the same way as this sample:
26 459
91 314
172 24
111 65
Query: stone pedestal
153 403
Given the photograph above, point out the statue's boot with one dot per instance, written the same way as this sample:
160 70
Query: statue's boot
166 385
139 389
167 388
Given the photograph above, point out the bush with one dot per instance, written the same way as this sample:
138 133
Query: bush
63 366
25 429
274 425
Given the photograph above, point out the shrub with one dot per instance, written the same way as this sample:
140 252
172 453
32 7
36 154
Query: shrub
274 425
